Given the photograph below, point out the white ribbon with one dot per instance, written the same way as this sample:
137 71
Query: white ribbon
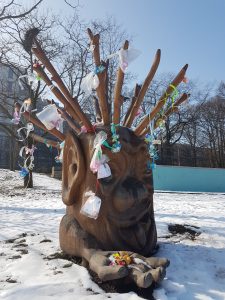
31 164
92 205
125 57
99 161
31 80
89 82
29 127
27 150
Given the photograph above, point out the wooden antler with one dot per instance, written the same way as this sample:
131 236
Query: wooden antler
172 109
43 140
40 71
117 91
39 124
72 123
177 80
136 92
101 89
143 90
40 54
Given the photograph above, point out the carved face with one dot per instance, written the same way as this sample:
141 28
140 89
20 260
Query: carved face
126 217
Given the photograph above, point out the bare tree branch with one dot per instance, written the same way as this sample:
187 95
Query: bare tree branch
67 2
5 16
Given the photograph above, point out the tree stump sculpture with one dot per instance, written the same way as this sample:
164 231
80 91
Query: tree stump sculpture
109 220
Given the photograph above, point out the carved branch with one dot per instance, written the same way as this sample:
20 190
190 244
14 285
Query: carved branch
171 110
40 71
101 90
117 92
177 80
144 88
43 140
39 124
40 54
136 92
72 123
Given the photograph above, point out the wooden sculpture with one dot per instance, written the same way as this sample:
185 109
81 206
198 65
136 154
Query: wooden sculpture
120 239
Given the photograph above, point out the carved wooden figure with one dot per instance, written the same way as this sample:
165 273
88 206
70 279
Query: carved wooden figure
125 220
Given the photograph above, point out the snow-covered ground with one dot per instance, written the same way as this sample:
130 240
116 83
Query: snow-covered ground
30 218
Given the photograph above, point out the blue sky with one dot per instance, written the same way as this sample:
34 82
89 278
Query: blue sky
189 31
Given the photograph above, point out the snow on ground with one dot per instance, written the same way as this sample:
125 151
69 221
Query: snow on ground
29 221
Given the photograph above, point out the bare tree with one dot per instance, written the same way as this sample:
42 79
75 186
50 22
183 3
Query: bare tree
10 10
17 56
212 122
77 59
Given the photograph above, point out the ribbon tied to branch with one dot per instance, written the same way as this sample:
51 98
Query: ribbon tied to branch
91 81
99 161
125 57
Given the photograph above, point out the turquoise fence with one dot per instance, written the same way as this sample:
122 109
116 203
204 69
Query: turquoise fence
187 179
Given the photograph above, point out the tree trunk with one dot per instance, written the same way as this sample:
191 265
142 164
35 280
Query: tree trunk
28 179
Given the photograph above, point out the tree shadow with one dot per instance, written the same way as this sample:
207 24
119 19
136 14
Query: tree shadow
60 211
196 271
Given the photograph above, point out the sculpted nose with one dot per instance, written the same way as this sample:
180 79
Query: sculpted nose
130 193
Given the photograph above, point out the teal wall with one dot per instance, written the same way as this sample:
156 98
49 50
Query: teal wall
170 178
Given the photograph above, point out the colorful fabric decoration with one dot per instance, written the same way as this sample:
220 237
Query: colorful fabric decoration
151 140
174 94
83 129
121 258
29 151
28 164
140 111
92 205
17 112
99 69
91 82
23 172
29 127
59 158
116 146
99 161
125 57
50 117
31 79
16 117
